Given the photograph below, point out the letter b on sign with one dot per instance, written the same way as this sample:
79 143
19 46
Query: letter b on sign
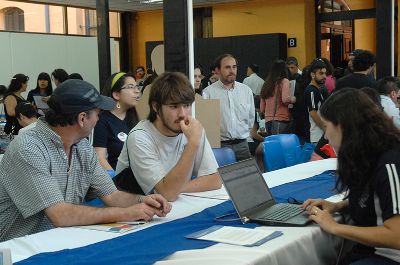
292 42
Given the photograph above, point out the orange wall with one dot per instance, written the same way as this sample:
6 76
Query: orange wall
364 29
263 17
256 17
296 18
149 27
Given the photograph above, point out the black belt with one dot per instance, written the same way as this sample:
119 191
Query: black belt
233 141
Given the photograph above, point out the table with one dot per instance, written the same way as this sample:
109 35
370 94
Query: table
306 245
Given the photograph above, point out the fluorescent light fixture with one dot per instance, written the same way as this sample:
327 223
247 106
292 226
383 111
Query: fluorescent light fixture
151 1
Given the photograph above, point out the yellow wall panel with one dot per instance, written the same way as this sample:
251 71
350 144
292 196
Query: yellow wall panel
149 27
263 17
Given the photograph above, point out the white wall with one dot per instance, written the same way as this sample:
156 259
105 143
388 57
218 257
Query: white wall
31 54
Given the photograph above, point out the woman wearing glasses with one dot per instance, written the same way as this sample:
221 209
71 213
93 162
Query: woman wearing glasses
12 98
113 126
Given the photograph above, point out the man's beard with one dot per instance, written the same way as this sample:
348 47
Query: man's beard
320 82
167 126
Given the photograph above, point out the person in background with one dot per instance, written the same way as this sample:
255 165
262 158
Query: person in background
58 170
198 76
338 73
140 75
59 76
352 55
236 106
113 126
3 90
368 156
75 76
314 97
165 151
211 78
253 80
389 92
275 98
26 115
323 150
12 98
362 65
330 80
257 135
293 67
151 75
299 115
44 89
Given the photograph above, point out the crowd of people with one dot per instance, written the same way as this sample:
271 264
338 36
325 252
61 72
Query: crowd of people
137 167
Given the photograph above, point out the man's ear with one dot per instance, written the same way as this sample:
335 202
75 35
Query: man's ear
393 95
155 107
312 75
81 118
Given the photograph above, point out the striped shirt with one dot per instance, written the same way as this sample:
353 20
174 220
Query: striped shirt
35 174
313 100
237 109
381 202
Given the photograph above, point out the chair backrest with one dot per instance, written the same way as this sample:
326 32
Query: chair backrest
281 150
273 154
291 145
224 156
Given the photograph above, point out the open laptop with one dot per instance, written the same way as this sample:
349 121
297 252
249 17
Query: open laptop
253 200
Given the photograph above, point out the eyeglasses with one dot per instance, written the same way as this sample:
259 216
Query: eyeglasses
130 86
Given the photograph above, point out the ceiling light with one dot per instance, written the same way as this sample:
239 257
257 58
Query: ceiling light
151 1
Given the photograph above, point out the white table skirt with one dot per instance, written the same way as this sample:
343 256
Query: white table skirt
306 245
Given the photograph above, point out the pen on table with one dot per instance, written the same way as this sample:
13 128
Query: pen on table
133 222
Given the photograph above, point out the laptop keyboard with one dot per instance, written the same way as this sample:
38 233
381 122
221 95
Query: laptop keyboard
282 212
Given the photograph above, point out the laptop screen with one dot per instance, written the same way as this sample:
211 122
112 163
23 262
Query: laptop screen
245 186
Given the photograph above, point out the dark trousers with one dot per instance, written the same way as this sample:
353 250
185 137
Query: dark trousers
241 149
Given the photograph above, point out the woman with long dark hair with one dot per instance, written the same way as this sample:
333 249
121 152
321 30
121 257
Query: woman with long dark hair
275 98
12 98
44 88
367 144
113 126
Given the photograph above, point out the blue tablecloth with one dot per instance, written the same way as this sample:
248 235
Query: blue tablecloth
155 243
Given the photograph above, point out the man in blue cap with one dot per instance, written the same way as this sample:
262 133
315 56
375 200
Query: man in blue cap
47 172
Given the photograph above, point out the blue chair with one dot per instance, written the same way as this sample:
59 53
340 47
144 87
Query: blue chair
224 156
281 150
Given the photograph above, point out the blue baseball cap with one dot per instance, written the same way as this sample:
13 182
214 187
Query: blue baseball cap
74 96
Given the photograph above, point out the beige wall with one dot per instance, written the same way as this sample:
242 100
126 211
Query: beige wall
34 15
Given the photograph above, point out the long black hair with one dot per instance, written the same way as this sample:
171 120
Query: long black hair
16 83
114 84
44 76
367 132
278 72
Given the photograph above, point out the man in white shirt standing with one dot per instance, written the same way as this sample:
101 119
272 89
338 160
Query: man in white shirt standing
389 91
253 80
236 104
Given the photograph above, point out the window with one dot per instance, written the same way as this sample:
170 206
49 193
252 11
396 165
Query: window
14 19
44 18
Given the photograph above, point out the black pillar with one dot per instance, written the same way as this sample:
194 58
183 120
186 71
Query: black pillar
103 41
317 29
176 46
384 38
125 46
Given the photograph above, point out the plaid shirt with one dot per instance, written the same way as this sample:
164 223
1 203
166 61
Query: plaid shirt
35 174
